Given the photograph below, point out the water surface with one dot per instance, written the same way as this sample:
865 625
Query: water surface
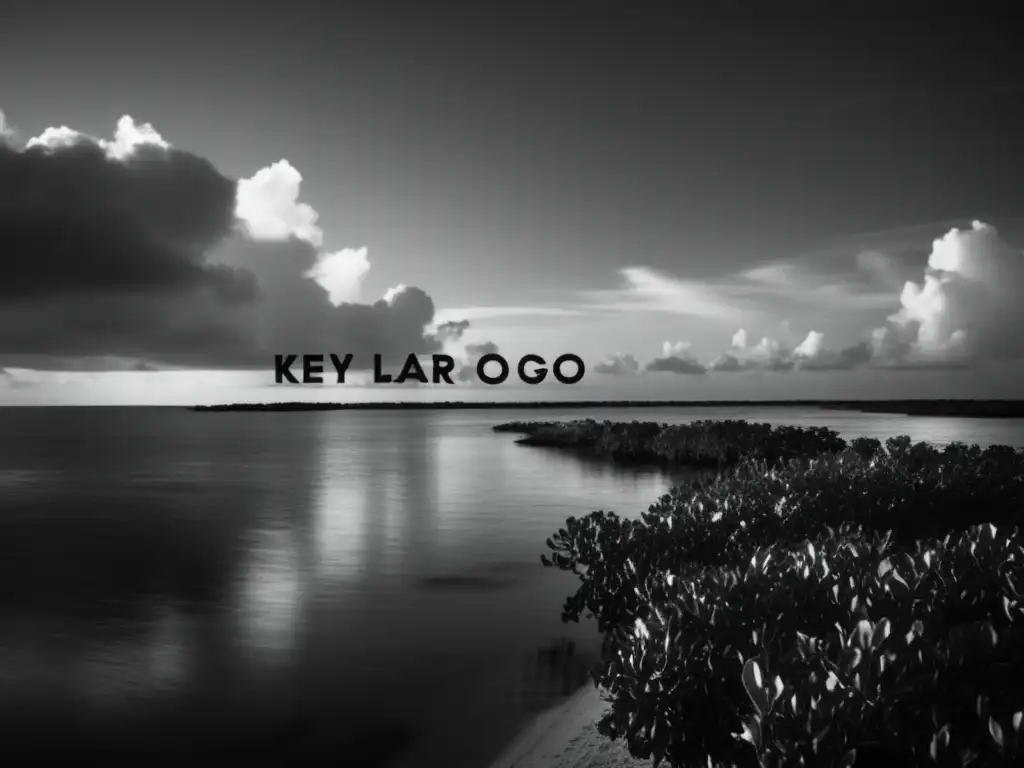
361 584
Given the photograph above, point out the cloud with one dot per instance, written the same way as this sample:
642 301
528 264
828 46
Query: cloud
961 314
341 274
451 330
619 364
268 206
676 358
131 249
748 293
106 248
771 354
879 267
966 309
648 290
812 354
473 353
79 217
129 138
295 316
768 354
803 283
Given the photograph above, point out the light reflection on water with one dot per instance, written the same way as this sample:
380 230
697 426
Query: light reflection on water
303 578
271 597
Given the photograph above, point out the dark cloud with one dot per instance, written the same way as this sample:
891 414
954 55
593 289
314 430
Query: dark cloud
74 221
106 256
294 316
452 330
676 358
130 250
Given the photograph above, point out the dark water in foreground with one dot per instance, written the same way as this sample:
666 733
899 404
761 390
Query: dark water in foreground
345 584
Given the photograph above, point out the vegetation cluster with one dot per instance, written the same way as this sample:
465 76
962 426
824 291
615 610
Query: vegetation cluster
816 604
700 443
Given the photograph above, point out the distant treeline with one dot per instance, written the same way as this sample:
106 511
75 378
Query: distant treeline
998 409
701 443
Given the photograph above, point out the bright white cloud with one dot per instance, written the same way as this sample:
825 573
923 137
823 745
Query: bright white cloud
341 274
128 137
269 209
967 306
393 293
966 309
811 346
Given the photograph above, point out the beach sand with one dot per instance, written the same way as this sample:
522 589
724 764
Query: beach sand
566 736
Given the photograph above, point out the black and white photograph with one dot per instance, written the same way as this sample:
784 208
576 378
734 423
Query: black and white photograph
512 384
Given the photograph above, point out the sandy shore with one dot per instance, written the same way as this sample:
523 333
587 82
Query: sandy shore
566 737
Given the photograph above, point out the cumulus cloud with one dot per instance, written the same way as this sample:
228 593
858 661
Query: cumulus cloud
341 274
106 247
676 358
268 207
131 249
813 354
771 354
966 309
959 315
618 364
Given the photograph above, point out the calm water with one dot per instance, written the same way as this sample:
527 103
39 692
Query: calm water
345 584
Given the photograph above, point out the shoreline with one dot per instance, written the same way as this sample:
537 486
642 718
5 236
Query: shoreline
565 736
978 409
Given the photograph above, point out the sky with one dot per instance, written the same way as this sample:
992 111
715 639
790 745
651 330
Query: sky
701 204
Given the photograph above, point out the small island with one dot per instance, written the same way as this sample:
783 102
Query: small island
989 409
701 443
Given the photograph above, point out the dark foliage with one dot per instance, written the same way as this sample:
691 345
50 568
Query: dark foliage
699 443
831 610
